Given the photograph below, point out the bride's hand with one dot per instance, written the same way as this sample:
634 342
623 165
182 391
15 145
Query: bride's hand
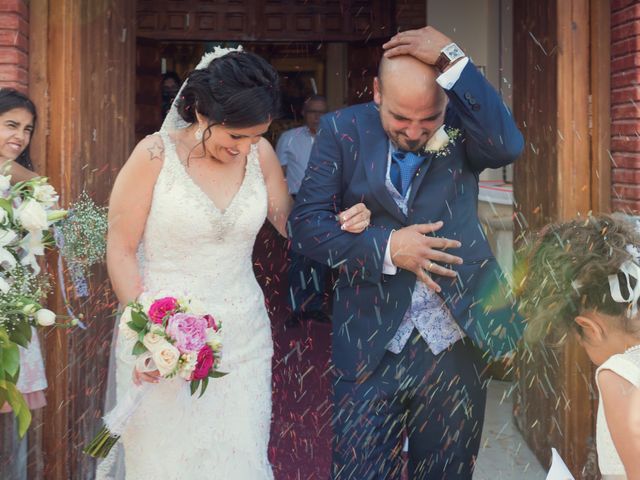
355 219
140 377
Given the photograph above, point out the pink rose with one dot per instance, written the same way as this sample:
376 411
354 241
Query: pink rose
204 363
211 322
189 331
161 307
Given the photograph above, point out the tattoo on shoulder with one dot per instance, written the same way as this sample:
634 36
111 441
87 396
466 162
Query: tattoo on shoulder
156 150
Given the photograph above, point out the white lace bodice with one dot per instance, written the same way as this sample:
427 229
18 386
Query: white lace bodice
627 365
209 250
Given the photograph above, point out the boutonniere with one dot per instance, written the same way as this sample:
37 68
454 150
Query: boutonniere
441 141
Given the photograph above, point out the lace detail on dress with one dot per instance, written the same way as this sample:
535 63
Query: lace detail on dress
189 247
626 365
224 219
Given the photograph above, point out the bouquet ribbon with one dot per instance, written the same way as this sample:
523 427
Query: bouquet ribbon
116 420
80 284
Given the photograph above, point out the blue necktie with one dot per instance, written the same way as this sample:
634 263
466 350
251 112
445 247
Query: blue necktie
404 166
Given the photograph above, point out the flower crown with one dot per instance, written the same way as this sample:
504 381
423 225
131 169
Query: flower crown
218 52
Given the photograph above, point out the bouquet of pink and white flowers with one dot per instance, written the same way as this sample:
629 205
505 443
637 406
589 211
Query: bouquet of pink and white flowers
173 337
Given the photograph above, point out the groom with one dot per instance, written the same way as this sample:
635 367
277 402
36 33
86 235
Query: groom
420 303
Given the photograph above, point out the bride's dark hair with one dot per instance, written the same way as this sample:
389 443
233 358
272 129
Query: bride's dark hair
238 90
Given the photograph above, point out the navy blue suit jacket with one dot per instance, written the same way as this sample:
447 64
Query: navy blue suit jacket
348 165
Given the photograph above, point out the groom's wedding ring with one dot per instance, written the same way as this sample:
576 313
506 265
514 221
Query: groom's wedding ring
429 267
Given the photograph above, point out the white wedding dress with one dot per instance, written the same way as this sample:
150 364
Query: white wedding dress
627 366
190 247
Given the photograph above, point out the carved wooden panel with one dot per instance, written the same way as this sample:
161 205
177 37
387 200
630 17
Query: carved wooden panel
271 20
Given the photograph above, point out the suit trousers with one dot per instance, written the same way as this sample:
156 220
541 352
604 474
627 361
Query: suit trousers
438 401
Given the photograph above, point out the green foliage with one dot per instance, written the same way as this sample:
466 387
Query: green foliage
139 349
10 393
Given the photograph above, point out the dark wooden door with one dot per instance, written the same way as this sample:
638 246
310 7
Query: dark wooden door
362 62
148 87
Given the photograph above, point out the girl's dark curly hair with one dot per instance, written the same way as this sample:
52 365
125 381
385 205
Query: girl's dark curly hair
567 272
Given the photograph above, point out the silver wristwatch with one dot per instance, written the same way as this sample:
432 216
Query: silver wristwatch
448 55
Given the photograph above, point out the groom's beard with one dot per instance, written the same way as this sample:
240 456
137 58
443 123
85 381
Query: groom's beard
400 140
414 145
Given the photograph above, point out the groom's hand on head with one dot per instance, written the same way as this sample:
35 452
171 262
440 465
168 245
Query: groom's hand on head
413 249
423 44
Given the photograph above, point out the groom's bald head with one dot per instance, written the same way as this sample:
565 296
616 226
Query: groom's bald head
411 102
408 75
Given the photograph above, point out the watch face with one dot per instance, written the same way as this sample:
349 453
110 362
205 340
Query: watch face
453 52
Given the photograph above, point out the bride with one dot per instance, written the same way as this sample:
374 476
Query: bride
183 217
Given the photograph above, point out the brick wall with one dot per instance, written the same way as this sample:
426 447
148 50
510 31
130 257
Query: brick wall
625 104
14 44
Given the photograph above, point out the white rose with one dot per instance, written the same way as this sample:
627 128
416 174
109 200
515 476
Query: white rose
45 194
32 216
189 361
166 359
7 236
125 318
45 318
127 332
5 183
438 140
157 329
214 339
154 342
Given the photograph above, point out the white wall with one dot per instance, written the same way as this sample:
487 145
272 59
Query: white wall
484 30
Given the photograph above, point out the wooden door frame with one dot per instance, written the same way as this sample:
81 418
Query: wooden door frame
54 87
574 197
579 73
72 135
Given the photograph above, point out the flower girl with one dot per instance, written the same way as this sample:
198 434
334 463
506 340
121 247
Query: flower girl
583 278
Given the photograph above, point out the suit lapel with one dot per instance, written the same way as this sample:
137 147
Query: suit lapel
420 174
374 150
424 168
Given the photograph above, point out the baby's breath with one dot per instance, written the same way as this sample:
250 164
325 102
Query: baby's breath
84 232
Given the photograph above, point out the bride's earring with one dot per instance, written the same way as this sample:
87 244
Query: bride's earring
198 133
